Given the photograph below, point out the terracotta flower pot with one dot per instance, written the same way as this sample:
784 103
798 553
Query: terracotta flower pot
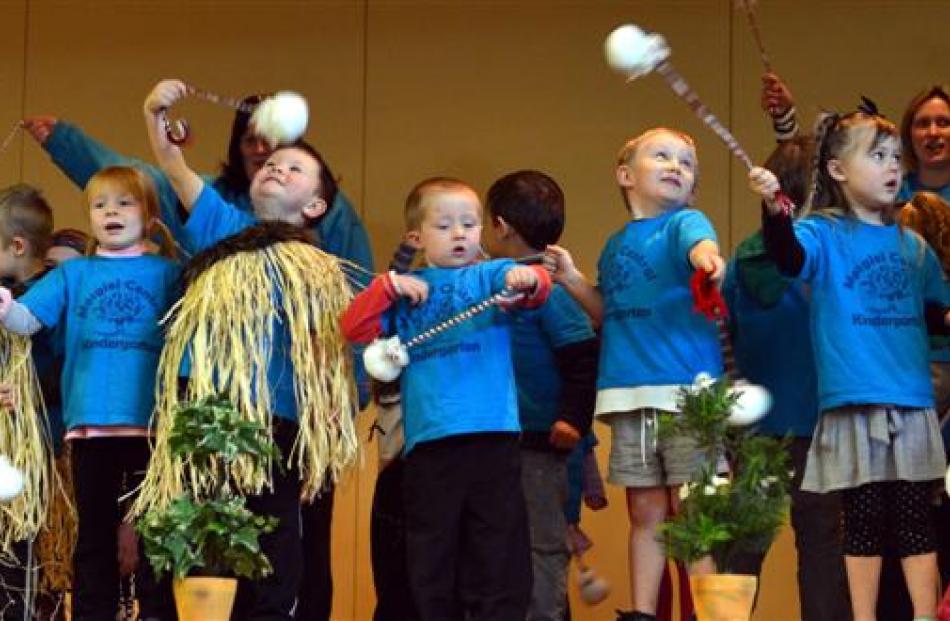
723 597
204 599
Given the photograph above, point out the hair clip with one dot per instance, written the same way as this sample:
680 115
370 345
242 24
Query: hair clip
869 107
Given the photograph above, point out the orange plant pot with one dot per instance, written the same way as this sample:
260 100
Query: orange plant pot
204 599
723 597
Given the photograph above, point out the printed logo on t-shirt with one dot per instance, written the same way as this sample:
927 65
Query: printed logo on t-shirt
117 309
882 282
623 267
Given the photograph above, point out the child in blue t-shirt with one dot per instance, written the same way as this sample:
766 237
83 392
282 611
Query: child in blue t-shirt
652 341
760 298
108 307
877 438
290 188
467 533
555 362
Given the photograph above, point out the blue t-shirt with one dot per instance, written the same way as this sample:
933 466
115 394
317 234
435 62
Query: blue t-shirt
211 220
110 308
536 333
773 348
869 286
651 335
47 352
910 186
460 381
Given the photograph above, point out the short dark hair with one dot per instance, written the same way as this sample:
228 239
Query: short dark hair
25 213
532 203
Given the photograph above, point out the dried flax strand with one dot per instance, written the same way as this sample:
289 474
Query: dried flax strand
224 325
25 442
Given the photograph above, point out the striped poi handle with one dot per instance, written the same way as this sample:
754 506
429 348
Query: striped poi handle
685 91
505 295
746 6
178 131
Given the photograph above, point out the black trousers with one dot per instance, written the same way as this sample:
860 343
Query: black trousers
467 529
316 585
387 544
99 467
275 597
816 521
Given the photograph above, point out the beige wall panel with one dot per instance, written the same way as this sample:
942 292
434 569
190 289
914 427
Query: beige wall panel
478 89
93 63
12 60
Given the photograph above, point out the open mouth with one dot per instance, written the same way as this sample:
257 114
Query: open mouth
459 251
935 147
113 227
891 185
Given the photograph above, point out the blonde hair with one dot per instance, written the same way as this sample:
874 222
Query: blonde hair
837 137
141 187
629 150
415 213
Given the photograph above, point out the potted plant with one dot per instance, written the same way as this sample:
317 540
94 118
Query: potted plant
723 516
207 537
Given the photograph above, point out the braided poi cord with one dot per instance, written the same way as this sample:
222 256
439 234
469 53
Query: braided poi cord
746 6
505 295
178 131
682 88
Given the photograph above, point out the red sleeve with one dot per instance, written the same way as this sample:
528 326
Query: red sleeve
541 291
361 321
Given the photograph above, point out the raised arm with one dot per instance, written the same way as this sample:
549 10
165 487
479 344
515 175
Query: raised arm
79 156
781 245
778 102
184 180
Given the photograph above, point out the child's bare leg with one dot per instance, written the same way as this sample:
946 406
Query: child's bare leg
703 566
920 574
647 508
864 576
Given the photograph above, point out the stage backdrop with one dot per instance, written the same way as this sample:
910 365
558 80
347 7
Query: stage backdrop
401 90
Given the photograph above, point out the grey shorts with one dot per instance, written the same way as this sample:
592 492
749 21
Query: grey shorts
639 459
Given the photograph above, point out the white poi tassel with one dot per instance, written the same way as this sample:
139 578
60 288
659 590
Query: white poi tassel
633 52
385 358
11 480
281 119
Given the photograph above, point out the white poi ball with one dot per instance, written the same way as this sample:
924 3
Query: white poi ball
631 51
281 119
753 403
946 481
385 358
11 480
593 589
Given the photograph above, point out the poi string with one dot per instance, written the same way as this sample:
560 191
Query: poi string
637 53
679 85
746 6
8 140
178 131
505 295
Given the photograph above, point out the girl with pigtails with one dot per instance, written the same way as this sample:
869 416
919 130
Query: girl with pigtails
876 289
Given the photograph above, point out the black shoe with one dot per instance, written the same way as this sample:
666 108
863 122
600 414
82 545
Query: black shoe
634 615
